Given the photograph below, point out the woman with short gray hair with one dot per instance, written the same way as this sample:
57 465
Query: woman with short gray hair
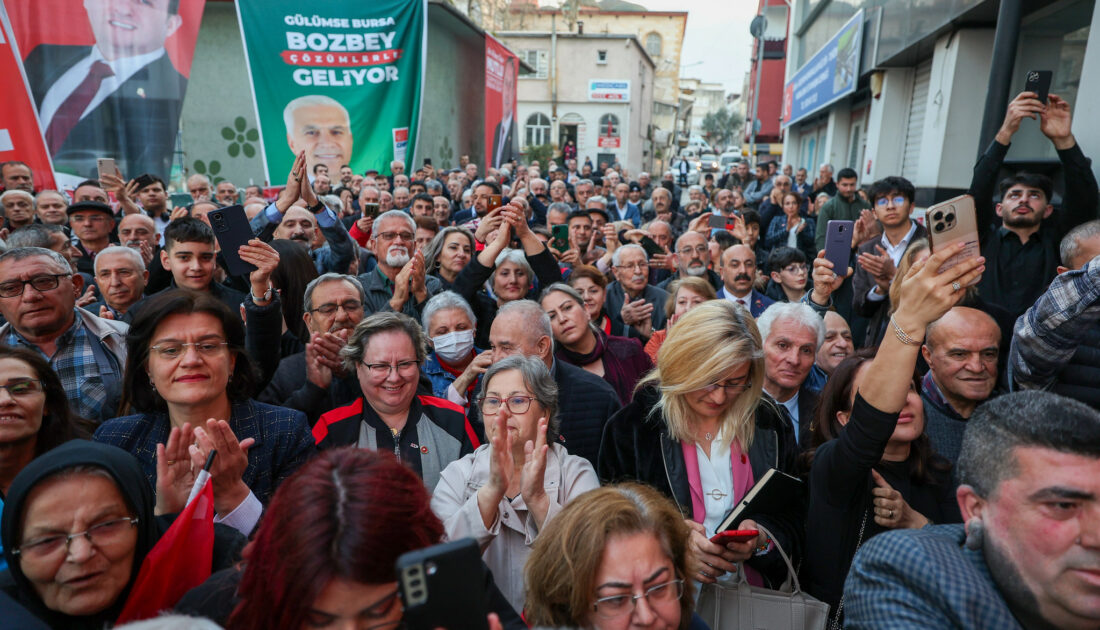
523 461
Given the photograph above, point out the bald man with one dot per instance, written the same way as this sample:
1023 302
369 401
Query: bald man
961 349
836 347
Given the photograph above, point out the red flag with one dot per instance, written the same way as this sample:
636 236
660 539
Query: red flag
179 561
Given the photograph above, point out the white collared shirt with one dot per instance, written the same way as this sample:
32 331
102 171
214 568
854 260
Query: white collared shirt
895 253
63 88
716 479
743 301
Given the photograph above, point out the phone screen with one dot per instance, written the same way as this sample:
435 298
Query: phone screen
561 237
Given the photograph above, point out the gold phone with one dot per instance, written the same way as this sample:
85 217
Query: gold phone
950 222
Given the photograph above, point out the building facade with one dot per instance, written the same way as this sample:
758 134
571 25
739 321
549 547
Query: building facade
919 106
602 100
770 63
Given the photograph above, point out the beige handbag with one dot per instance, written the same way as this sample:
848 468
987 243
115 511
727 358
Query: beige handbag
735 604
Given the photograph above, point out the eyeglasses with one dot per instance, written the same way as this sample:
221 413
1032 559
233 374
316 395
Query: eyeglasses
351 306
735 386
637 265
898 201
100 535
619 605
175 350
382 370
15 288
95 218
24 387
795 268
393 236
698 249
490 405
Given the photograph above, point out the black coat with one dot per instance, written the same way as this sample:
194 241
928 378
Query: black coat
290 388
636 446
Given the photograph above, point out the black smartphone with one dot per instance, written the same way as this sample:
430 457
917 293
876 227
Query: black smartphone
230 225
443 586
651 247
838 245
427 161
1038 81
561 237
143 180
370 210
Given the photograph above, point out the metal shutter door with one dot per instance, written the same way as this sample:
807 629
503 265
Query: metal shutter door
915 126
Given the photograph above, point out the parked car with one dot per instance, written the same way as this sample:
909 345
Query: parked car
709 162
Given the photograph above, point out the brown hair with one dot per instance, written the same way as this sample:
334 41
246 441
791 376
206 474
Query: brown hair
561 570
590 272
696 285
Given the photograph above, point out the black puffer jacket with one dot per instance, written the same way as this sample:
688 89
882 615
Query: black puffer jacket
636 446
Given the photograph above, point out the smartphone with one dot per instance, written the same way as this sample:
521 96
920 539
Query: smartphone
427 161
1038 81
443 586
370 210
838 245
561 237
494 202
950 222
651 247
720 222
105 166
143 180
734 535
232 230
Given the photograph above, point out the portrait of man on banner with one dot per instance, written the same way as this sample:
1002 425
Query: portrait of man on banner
505 145
320 126
117 94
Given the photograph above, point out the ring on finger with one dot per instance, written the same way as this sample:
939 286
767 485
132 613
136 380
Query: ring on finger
955 286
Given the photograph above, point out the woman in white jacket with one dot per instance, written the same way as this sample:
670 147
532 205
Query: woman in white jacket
505 492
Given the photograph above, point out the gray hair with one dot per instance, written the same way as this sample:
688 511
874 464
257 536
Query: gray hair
695 188
435 247
618 255
433 184
352 354
20 253
600 199
306 101
125 251
828 166
537 379
332 202
1070 248
61 196
513 256
1001 425
395 214
799 313
559 206
307 304
34 235
443 301
561 287
171 622
15 192
583 182
531 312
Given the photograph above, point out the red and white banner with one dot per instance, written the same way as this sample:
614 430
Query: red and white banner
20 140
501 130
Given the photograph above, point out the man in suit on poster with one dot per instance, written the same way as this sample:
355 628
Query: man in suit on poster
505 138
120 98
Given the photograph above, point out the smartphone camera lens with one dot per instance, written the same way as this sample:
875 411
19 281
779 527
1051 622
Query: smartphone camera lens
939 227
937 216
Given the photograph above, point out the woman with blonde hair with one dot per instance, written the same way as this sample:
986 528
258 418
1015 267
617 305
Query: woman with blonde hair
699 432
687 293
615 557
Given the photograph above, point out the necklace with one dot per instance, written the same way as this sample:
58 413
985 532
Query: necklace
709 436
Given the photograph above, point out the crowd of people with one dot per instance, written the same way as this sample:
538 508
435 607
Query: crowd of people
570 365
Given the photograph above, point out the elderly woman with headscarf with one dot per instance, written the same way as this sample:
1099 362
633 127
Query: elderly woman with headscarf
79 522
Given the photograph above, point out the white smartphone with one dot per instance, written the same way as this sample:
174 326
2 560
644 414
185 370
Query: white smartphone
105 166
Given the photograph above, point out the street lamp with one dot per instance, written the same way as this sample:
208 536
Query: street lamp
757 28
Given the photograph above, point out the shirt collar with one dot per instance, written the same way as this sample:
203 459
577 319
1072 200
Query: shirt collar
126 67
934 394
386 282
904 241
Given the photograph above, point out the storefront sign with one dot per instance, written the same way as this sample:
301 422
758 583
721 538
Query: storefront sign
828 76
608 91
608 143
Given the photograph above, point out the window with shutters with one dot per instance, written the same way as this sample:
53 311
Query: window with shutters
537 59
537 129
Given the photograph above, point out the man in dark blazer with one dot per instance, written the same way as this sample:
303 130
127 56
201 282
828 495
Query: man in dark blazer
505 145
631 269
791 333
120 98
737 266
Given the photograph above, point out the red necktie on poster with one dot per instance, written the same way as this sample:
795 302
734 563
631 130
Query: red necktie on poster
73 108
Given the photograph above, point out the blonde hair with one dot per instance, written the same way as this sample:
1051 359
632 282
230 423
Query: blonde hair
561 571
706 342
694 284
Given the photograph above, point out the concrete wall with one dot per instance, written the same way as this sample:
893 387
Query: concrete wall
452 118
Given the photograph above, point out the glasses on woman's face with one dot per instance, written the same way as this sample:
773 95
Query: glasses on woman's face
173 349
404 369
730 387
22 387
101 536
490 405
618 605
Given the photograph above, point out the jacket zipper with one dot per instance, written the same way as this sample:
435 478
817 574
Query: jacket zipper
671 488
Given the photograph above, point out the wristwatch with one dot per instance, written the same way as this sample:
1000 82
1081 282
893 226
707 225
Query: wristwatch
266 297
317 208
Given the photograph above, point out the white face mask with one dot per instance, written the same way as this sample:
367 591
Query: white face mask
454 346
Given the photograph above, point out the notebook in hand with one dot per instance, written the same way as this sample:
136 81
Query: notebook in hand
775 492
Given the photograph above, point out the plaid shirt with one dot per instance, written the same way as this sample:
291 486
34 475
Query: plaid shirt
910 579
86 387
1047 335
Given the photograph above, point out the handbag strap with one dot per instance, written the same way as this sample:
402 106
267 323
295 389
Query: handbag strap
835 625
791 574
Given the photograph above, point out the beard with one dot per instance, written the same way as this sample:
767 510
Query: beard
397 257
696 270
1022 220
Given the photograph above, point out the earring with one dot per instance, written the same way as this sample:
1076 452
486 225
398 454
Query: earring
152 384
974 534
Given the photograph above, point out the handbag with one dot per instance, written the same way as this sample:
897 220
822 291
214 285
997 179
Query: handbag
736 604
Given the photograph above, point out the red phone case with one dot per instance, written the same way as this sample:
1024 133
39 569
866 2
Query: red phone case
734 535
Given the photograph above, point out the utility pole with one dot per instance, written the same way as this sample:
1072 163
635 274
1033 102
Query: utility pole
757 28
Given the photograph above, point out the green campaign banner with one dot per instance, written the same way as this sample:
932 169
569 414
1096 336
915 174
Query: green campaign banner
343 84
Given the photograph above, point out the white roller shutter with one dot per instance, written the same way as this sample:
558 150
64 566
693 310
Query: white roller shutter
914 128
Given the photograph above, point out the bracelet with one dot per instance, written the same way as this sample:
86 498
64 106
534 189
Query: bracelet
267 295
317 208
902 336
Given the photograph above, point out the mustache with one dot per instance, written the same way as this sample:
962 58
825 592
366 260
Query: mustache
742 276
300 237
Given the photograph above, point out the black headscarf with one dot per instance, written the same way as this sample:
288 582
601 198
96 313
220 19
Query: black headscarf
132 485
